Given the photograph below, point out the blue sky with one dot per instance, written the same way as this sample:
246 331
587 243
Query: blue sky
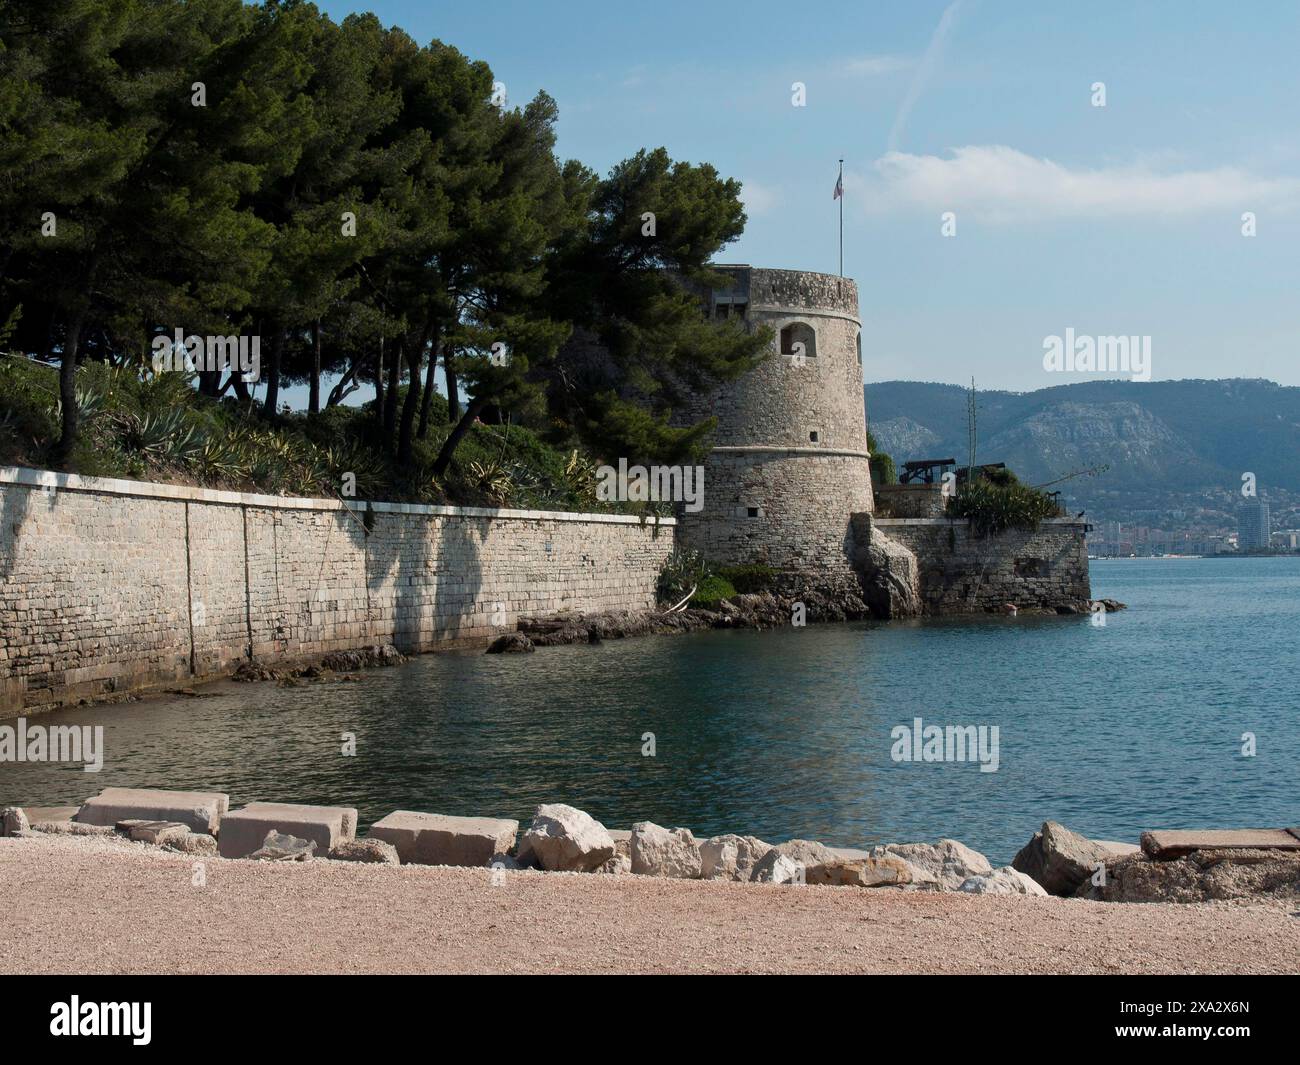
1123 219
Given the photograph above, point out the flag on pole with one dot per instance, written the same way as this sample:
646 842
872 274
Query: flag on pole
839 187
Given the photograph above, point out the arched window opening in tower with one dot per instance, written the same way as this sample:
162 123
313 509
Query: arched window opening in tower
799 333
858 341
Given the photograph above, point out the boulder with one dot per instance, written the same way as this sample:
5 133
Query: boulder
1061 860
439 839
279 847
564 839
814 857
511 643
1202 876
731 857
948 863
158 833
862 872
1003 881
776 868
619 865
13 821
196 843
371 851
658 851
890 581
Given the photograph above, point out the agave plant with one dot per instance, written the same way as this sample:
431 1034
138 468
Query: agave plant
165 436
221 457
580 477
494 480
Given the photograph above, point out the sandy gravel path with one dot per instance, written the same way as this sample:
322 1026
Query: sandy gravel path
108 906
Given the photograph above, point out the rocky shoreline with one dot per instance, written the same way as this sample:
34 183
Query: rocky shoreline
563 839
757 610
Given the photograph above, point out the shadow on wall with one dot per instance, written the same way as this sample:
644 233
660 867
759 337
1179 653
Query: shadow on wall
423 577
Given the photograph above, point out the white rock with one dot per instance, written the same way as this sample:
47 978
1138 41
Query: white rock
658 851
619 865
947 862
731 857
776 868
13 821
1003 881
564 839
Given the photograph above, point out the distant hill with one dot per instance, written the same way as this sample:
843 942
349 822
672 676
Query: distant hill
1163 440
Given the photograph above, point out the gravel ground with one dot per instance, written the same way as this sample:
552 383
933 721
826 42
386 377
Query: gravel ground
99 905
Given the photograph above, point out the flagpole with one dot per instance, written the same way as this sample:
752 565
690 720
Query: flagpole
841 218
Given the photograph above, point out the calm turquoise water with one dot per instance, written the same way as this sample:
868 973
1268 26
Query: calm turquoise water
1110 730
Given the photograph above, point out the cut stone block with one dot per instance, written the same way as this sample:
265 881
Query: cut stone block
244 831
51 813
438 839
199 811
1164 844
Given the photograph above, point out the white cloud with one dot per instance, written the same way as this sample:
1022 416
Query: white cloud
999 183
758 199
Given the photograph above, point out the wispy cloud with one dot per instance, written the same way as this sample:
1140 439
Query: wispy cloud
1000 184
924 71
874 66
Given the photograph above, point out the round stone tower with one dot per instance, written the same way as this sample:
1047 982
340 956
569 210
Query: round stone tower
789 465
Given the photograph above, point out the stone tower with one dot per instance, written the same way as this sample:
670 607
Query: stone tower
789 465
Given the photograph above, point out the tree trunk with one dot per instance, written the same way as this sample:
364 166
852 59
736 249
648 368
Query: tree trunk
313 397
453 391
427 396
379 381
273 374
443 460
68 386
390 400
406 432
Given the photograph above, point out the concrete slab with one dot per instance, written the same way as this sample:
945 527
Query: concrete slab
244 831
200 811
439 839
1171 843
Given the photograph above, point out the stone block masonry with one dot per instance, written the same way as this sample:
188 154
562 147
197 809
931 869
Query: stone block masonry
110 586
959 572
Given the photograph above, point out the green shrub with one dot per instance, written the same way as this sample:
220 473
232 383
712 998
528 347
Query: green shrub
682 570
712 590
751 578
881 464
992 508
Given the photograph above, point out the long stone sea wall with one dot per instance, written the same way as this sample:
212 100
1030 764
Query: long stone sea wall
111 586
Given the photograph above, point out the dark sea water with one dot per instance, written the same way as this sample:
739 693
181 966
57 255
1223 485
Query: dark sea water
1110 730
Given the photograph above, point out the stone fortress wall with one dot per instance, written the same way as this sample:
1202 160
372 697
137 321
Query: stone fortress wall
112 586
789 465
